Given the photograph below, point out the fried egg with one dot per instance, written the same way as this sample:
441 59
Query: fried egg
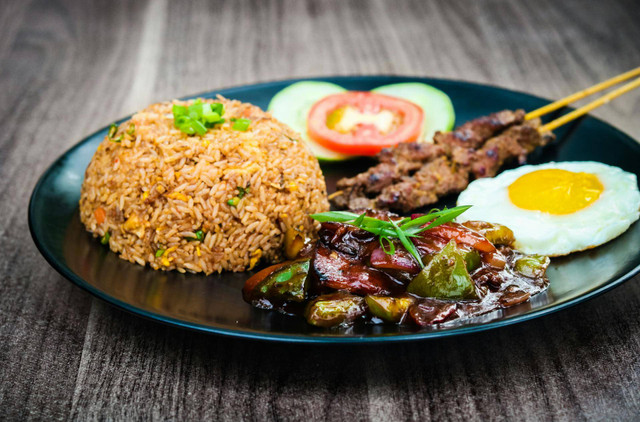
557 208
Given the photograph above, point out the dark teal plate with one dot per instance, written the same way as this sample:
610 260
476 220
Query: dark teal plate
214 304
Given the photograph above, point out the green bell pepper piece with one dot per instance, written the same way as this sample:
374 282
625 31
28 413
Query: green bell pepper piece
334 309
389 308
472 260
446 276
495 233
287 283
532 265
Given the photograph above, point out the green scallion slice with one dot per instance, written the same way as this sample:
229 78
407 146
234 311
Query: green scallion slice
198 127
113 128
241 124
178 110
105 239
197 117
218 108
243 191
390 249
403 229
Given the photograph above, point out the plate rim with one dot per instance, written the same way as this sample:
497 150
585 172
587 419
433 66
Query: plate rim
320 339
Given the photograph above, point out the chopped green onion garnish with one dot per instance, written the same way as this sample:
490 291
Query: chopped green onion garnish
131 130
181 120
209 125
241 124
243 191
403 229
218 108
198 127
195 109
199 236
211 117
105 239
408 244
391 248
233 201
159 253
197 117
113 128
178 110
358 221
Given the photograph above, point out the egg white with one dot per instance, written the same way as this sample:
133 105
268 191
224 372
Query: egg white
554 235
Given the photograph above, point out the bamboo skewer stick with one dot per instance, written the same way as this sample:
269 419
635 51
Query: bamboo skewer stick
591 106
334 194
582 94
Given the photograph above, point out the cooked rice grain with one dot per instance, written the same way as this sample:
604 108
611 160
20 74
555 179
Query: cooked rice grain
160 186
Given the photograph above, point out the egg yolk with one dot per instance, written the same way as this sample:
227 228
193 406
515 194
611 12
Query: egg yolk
555 191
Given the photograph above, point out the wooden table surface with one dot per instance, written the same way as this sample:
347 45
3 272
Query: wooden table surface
70 67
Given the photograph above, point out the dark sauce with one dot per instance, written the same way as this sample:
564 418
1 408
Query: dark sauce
346 276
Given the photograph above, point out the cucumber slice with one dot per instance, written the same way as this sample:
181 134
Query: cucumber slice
291 106
438 109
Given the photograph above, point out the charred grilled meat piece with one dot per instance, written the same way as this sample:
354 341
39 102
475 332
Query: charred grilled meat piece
409 156
413 175
433 180
475 132
398 164
447 175
515 142
394 164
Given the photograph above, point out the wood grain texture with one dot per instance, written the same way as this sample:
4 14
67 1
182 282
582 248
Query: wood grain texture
69 67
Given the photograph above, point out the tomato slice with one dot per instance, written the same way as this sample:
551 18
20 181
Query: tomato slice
362 123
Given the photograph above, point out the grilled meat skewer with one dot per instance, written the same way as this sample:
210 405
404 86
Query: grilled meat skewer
413 175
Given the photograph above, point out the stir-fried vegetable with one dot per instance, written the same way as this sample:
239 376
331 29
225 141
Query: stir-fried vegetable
360 269
495 233
334 309
532 265
403 229
446 276
287 282
389 308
